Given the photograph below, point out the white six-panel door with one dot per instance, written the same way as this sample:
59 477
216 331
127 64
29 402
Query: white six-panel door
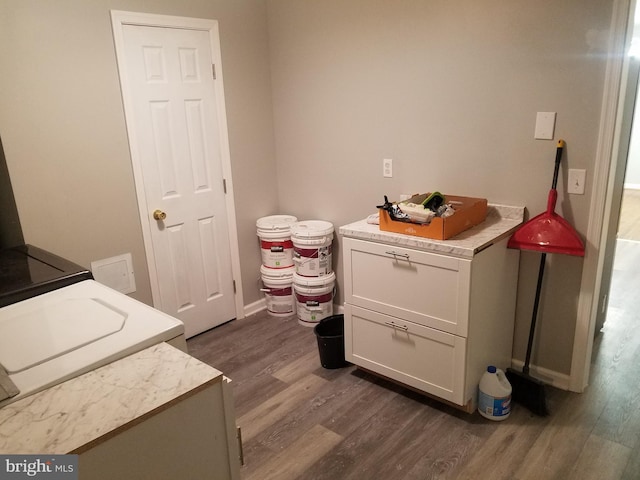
170 92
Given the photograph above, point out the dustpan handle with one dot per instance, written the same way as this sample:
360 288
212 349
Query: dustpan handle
551 201
559 149
534 316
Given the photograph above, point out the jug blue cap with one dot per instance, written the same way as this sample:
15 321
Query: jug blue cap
491 369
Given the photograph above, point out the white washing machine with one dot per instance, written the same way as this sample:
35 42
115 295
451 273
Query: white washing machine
64 333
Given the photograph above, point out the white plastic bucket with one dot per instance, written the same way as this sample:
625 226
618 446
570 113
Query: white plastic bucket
276 247
494 394
312 241
314 297
278 290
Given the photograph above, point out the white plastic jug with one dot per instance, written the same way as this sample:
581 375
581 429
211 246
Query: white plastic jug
494 394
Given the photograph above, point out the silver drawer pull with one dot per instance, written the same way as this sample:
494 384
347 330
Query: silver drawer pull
396 254
395 325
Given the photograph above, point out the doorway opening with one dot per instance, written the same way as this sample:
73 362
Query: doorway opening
617 330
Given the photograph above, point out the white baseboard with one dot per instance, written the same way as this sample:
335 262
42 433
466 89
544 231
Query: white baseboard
632 186
255 307
550 377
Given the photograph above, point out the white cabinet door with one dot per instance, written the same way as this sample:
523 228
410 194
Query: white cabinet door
425 288
415 355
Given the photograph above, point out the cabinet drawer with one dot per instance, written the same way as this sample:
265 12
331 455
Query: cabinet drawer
421 357
424 288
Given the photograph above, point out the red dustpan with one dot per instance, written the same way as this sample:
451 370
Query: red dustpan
549 232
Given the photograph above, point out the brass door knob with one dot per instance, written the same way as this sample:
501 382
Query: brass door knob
159 215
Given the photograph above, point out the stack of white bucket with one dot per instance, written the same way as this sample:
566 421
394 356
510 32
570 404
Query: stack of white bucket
277 267
313 280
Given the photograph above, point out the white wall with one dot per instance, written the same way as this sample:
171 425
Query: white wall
449 91
63 131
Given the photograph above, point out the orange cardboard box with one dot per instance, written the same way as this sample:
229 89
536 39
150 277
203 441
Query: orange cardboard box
469 212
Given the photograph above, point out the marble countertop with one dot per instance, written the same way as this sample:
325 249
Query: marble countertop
501 221
86 410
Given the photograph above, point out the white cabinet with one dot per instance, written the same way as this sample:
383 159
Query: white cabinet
192 437
156 414
429 320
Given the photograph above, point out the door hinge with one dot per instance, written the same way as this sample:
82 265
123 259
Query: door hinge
213 70
224 185
234 286
240 449
604 303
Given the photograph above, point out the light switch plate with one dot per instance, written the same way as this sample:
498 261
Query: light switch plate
545 125
576 180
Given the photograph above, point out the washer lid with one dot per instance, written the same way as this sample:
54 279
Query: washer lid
33 334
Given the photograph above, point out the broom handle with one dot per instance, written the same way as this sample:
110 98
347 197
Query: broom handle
536 302
543 261
559 149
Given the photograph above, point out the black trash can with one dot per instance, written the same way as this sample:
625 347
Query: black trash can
330 335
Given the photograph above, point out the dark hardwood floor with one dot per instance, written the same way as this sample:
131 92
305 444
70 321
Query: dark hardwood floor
301 421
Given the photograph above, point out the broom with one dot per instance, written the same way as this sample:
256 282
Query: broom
547 232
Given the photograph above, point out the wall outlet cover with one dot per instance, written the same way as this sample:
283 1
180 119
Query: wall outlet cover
387 167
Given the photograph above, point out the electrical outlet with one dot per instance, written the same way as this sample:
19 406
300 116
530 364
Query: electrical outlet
387 167
576 180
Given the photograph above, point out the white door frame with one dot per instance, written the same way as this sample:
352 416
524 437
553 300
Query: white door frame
622 21
118 20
